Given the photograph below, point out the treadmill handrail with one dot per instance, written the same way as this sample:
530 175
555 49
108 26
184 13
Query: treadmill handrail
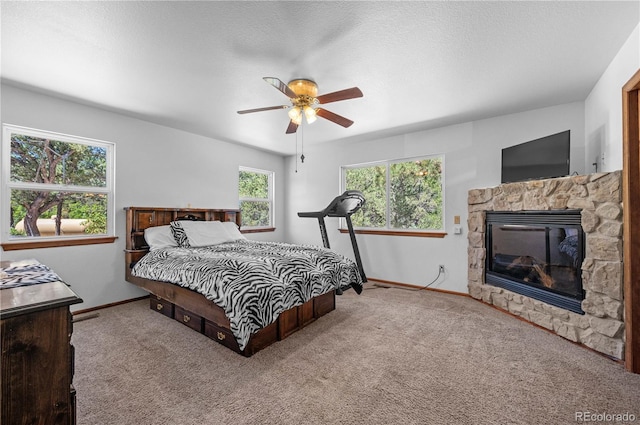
333 209
313 214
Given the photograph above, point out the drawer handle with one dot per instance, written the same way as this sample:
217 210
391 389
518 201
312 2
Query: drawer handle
159 306
186 319
221 336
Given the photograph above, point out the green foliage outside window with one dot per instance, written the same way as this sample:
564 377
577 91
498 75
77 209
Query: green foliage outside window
255 200
372 182
253 185
415 197
38 160
255 214
408 193
53 178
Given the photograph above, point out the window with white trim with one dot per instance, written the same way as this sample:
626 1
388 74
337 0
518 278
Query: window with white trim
56 186
401 195
256 193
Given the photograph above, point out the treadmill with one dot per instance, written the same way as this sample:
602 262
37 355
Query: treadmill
342 206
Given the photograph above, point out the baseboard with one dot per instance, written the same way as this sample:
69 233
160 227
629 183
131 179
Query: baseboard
379 282
100 307
390 283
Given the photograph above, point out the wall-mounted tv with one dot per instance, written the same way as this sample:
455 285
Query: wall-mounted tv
542 158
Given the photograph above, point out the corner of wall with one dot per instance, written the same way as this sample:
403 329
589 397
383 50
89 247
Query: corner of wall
603 108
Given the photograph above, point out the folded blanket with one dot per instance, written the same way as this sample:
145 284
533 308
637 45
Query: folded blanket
26 272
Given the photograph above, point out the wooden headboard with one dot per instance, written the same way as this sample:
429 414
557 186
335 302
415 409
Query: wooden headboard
140 218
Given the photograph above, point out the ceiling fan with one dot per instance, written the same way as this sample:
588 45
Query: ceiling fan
303 95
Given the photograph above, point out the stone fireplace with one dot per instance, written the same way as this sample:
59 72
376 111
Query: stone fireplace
590 306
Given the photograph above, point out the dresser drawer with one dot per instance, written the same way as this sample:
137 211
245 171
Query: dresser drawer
221 335
187 318
161 305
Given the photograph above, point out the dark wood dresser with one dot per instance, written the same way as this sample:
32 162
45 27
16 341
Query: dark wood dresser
37 355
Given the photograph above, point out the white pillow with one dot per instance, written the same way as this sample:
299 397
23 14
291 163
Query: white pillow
232 230
159 237
204 233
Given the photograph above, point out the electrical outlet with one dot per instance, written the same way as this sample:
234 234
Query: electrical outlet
441 268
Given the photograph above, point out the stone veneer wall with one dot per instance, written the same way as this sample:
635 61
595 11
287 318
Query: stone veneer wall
599 196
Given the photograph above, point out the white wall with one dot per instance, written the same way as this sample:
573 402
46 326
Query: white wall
155 166
472 160
603 107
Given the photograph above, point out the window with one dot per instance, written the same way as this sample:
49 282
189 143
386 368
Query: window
255 190
56 189
401 195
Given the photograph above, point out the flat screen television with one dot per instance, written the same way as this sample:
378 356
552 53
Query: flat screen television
542 158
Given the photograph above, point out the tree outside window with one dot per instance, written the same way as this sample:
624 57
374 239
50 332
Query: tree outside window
372 182
255 191
400 195
57 185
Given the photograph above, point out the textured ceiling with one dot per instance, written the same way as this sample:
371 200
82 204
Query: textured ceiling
192 65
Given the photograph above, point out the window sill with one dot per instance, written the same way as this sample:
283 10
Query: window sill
397 233
258 230
16 245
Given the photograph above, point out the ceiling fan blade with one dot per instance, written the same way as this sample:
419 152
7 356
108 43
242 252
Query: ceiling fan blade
268 108
280 86
293 127
328 115
345 94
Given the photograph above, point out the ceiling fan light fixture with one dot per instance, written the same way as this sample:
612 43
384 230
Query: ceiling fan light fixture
310 114
296 115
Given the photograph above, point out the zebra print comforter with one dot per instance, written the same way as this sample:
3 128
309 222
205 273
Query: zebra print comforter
252 281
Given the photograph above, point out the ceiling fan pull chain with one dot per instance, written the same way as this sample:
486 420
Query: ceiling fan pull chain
302 143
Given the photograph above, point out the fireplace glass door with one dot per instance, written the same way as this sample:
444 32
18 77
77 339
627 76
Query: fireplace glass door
537 254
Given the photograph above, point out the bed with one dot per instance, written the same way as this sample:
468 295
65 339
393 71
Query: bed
243 294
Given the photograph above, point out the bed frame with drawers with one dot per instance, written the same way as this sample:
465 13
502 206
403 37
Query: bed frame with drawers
194 309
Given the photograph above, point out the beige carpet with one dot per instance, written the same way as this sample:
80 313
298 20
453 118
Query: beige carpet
389 356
